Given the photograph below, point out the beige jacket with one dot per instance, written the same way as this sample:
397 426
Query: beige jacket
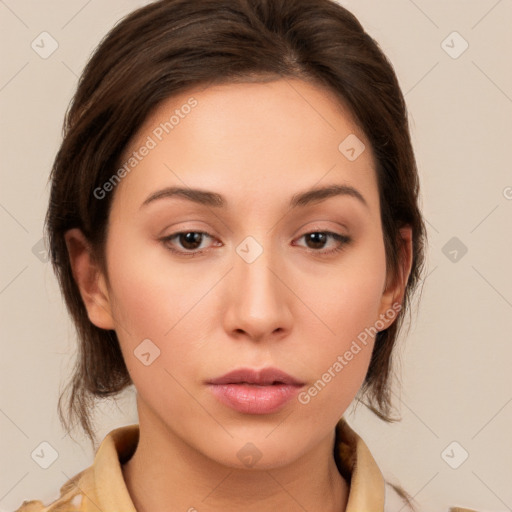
101 487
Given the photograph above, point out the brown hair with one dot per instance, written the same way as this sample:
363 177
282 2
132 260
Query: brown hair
171 46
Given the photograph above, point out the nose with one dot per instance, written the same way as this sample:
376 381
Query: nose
258 299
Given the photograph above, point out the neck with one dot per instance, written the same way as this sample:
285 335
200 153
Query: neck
167 474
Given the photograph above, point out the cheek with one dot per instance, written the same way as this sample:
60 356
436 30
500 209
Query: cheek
149 305
348 307
161 302
348 300
151 295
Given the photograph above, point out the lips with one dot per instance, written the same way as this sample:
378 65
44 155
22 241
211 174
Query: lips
263 377
250 391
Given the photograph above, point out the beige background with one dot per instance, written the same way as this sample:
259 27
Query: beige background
456 379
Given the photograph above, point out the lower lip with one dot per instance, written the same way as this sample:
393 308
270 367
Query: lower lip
252 399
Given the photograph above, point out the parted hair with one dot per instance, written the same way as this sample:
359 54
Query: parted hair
170 46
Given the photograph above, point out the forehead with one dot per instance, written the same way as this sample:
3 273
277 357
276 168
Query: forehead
263 138
288 102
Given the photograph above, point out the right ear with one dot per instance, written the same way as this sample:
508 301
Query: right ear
90 279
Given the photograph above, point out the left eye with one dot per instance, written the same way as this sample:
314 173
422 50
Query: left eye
190 241
320 238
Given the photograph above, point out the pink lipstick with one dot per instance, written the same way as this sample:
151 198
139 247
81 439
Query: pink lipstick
255 391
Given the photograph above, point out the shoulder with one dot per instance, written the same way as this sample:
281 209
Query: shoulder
102 480
31 506
396 499
70 499
62 503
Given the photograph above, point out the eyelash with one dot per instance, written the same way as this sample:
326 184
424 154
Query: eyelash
343 240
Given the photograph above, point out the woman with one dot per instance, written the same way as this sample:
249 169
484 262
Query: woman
234 224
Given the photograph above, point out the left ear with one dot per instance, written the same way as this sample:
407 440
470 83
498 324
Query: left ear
394 290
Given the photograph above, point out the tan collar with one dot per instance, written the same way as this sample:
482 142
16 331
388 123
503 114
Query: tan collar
355 463
101 487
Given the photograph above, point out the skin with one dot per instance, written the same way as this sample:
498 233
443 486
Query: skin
257 144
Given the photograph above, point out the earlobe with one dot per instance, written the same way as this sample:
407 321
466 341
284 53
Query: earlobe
89 279
394 291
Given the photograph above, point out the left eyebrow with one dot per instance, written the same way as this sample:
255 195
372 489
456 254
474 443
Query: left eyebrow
316 195
216 200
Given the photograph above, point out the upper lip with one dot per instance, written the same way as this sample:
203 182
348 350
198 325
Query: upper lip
263 377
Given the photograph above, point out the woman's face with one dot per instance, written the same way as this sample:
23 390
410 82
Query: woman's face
265 286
